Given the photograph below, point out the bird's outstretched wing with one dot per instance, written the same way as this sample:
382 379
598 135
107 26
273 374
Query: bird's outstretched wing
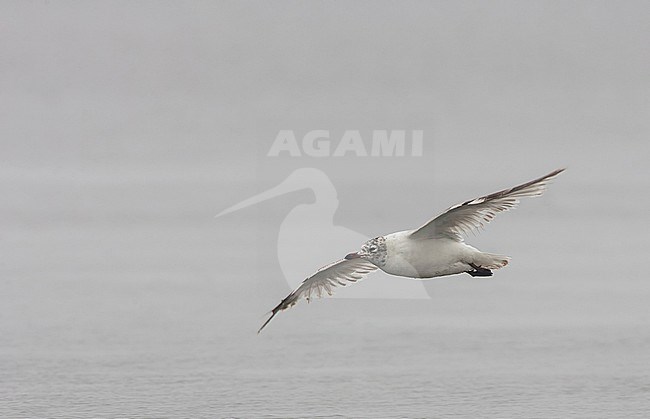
474 214
337 274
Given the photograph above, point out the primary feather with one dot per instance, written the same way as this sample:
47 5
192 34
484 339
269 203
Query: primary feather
474 214
337 274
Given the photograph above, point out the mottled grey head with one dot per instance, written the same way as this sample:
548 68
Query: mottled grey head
374 250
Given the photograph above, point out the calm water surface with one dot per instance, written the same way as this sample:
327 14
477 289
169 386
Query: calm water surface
145 350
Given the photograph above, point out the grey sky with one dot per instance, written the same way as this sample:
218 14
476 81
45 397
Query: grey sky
193 83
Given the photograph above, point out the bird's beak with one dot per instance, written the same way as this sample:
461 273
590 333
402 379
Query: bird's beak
354 255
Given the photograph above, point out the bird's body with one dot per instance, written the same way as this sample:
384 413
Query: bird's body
435 249
432 257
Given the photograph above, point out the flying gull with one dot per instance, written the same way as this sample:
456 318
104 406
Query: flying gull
435 249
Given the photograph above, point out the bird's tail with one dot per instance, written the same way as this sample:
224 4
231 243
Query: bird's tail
490 260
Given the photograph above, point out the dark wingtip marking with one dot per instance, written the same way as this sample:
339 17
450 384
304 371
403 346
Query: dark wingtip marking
513 189
273 313
283 304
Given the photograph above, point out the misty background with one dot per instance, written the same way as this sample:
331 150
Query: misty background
125 127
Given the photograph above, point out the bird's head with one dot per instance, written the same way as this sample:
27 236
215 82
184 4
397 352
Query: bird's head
374 250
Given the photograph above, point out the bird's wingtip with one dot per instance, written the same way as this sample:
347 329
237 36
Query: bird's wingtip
273 313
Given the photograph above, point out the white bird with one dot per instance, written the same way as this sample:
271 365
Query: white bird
435 249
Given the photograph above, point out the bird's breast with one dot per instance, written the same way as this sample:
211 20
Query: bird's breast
422 258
